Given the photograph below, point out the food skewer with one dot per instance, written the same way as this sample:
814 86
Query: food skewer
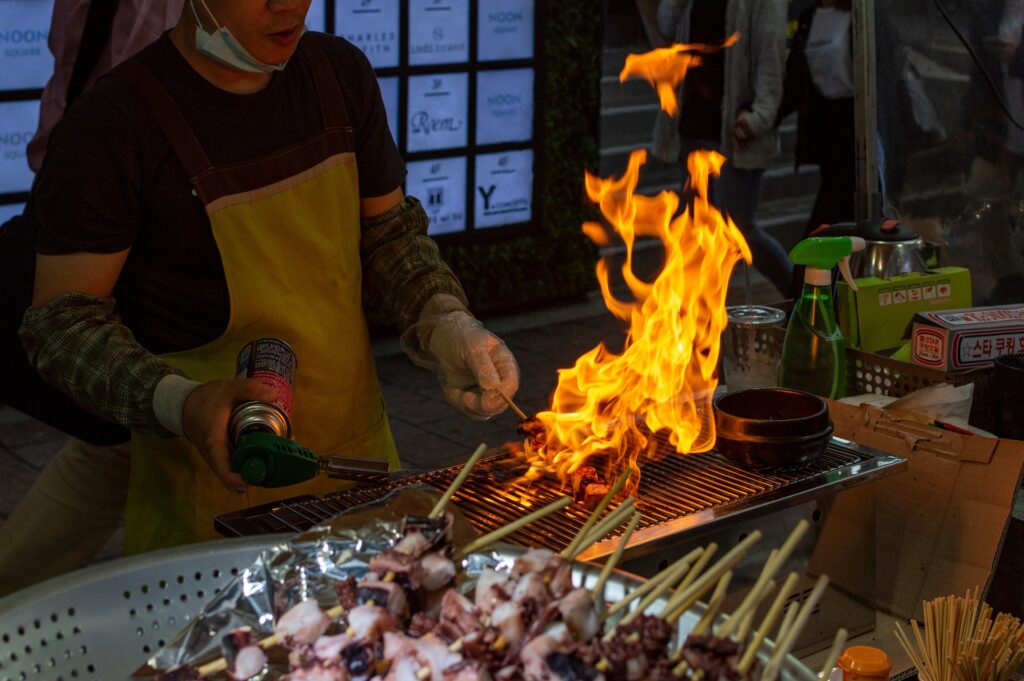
746 624
786 641
698 567
833 654
651 583
221 663
598 510
438 509
705 621
772 566
704 583
512 405
610 564
671 577
502 532
436 642
609 523
714 604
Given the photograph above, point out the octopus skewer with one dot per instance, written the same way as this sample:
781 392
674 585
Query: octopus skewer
403 620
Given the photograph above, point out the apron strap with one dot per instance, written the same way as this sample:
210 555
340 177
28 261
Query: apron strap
328 88
168 116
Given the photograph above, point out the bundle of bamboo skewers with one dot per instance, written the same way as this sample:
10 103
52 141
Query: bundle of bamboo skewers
962 642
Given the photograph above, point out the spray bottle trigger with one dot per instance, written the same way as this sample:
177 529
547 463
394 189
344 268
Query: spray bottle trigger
844 269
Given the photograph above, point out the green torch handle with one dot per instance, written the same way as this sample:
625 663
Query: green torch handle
266 460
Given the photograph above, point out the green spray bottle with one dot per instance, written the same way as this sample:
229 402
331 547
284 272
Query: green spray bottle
813 353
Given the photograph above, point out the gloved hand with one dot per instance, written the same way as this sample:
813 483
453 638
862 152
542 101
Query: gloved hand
473 363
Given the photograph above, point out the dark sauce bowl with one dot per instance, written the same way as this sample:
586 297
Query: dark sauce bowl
772 427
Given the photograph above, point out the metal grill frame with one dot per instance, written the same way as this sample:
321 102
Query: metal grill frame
695 492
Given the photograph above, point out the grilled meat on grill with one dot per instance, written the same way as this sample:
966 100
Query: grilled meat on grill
534 431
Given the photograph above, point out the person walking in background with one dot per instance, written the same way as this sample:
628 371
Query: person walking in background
81 493
819 87
729 104
133 25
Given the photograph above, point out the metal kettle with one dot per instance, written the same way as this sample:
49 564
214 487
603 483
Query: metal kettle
890 248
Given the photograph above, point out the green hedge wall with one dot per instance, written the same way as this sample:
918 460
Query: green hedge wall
556 263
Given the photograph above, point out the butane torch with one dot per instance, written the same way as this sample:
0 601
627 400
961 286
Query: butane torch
265 457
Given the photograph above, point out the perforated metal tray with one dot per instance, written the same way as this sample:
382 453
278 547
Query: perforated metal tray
102 623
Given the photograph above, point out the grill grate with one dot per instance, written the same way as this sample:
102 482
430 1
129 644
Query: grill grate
674 487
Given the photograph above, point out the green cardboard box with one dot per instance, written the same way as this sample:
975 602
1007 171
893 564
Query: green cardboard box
877 316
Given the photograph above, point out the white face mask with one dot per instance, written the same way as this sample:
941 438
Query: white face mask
223 47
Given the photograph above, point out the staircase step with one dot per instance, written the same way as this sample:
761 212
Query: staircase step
633 91
781 182
614 58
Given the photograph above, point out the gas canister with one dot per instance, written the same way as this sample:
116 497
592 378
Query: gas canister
272 362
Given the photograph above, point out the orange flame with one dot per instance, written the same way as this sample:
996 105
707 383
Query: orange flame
609 405
666 67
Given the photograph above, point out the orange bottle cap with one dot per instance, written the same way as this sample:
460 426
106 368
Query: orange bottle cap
865 661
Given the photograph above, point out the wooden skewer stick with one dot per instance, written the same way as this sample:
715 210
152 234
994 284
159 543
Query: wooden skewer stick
438 509
672 575
609 523
771 568
598 510
751 601
654 581
221 663
706 620
833 654
499 534
610 564
787 641
704 583
698 567
747 661
747 623
512 405
714 605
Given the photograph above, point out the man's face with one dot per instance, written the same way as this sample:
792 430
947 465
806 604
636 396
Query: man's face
268 29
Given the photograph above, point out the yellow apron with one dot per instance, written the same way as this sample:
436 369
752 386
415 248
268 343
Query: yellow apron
288 231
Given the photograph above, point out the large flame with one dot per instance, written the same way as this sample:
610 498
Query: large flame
606 408
666 67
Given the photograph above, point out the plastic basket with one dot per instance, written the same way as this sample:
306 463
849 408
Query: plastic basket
869 372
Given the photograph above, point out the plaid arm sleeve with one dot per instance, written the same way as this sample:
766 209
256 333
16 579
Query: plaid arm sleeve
78 343
402 266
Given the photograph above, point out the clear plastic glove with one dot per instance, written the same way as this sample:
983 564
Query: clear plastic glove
473 364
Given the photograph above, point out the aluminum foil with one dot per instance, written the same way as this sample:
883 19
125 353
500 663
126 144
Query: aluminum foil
308 565
305 567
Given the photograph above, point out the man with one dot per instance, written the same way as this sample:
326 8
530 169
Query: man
729 104
236 180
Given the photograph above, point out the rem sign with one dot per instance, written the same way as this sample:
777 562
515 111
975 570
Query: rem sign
437 112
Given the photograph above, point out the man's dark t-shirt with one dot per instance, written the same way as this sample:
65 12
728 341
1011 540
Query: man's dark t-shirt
700 115
110 180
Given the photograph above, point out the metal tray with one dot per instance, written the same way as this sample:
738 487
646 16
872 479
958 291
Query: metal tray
102 623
